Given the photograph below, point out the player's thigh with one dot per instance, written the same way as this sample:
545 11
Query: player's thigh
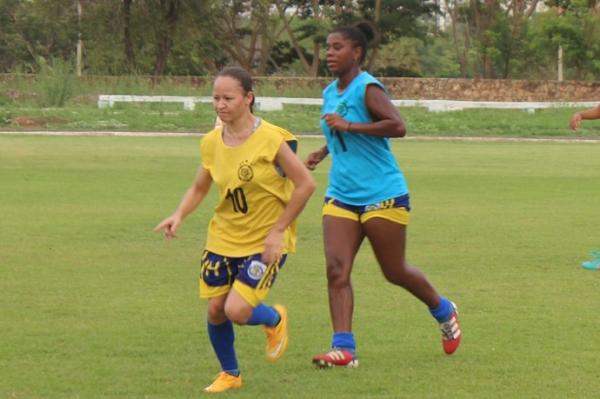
216 275
254 280
388 240
342 239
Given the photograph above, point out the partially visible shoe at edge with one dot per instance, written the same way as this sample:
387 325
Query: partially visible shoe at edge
594 263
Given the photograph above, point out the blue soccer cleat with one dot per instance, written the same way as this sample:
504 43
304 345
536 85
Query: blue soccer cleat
593 264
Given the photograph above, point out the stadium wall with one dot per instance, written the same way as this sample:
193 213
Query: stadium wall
469 89
404 88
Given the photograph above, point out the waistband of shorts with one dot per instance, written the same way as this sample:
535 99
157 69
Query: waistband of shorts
402 201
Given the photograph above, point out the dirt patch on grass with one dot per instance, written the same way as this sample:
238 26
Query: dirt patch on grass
85 100
17 95
36 121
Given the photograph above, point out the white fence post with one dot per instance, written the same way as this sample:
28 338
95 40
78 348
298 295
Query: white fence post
276 103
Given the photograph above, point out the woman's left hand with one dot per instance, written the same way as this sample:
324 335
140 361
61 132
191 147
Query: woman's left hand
335 122
273 247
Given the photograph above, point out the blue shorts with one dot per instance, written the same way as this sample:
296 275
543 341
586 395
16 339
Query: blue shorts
248 275
394 209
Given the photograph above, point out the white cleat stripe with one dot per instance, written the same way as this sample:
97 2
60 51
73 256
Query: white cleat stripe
277 349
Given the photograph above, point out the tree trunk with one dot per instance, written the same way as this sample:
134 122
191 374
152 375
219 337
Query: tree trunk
129 51
170 10
520 14
460 56
292 36
485 17
314 68
373 55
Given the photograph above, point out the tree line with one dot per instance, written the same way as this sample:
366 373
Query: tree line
514 39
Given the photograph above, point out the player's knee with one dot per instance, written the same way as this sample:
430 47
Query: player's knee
397 274
338 274
397 278
236 314
216 312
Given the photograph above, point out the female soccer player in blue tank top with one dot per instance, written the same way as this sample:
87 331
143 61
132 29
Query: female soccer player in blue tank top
367 194
263 186
576 118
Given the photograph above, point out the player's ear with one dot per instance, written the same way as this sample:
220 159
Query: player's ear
250 99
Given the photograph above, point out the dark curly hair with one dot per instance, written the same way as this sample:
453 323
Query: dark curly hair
361 34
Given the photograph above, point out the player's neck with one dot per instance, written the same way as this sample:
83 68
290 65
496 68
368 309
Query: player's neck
346 78
242 127
237 132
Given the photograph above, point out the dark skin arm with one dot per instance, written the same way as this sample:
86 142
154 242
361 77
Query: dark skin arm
387 119
315 157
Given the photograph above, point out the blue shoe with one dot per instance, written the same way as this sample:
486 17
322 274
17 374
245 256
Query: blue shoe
593 264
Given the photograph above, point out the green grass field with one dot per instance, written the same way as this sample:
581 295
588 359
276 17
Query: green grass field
95 305
300 119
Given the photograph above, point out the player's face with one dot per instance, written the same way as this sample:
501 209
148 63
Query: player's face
341 55
230 101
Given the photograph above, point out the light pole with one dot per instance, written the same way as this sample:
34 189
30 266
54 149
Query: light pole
560 77
560 63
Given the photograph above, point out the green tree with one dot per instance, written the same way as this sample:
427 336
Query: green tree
141 37
396 19
488 34
36 29
247 31
306 25
577 30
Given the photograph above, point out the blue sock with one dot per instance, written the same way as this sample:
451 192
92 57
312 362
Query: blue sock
344 340
222 337
265 315
444 310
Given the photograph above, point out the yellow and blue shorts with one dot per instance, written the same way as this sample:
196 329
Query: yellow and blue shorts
248 276
394 209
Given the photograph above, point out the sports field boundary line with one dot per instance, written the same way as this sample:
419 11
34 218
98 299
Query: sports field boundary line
309 135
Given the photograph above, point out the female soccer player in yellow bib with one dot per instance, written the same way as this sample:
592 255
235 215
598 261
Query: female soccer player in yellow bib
263 186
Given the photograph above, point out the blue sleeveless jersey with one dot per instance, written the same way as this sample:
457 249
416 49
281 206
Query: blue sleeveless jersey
364 170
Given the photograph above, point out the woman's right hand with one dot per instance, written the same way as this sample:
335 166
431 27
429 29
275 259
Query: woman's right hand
575 121
169 226
314 158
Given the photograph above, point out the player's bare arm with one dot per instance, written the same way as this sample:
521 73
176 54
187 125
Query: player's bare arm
190 201
387 120
577 117
304 186
315 157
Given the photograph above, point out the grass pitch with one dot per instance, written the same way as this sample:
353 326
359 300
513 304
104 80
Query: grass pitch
169 117
95 305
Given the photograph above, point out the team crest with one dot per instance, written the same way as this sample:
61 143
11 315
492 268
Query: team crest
341 109
256 270
245 172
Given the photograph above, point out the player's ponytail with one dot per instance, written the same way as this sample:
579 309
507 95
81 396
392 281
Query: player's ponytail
368 30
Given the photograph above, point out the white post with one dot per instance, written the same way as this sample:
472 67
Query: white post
560 63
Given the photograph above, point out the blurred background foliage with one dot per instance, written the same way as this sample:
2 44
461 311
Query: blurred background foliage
499 39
